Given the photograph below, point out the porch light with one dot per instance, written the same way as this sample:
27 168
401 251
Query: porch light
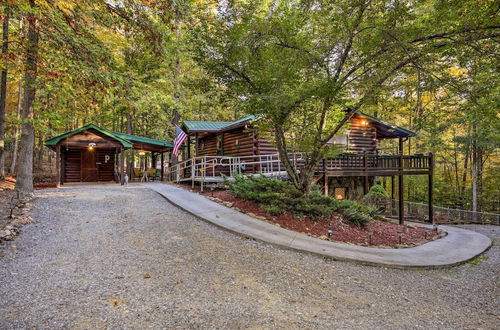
364 123
91 146
340 193
142 152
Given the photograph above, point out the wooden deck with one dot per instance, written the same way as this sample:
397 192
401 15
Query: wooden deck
376 165
215 168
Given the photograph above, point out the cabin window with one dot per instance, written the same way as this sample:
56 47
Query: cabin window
340 193
339 140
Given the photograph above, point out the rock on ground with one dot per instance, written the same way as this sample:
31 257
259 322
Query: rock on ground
107 256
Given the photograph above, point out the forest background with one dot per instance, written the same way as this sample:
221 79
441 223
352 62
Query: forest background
129 65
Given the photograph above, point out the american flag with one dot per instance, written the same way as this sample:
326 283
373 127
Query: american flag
180 137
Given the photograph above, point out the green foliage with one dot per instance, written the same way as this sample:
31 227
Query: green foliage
276 196
377 197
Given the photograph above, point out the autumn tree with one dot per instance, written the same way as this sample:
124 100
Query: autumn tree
301 64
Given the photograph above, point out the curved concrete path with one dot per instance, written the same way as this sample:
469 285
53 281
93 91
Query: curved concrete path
457 247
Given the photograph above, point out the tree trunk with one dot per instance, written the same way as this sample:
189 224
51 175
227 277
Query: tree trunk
24 182
130 156
3 90
474 173
16 131
464 177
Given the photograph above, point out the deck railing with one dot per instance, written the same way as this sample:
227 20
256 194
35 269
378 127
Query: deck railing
375 163
202 167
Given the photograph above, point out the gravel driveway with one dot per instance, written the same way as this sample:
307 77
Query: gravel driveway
107 256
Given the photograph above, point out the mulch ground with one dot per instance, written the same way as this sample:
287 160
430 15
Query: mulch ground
377 233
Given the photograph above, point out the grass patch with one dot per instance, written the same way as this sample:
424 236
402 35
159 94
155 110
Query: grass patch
477 260
276 197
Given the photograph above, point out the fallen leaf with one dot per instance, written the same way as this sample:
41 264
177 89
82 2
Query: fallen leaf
115 302
147 275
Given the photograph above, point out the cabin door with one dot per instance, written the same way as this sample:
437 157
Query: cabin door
89 166
106 164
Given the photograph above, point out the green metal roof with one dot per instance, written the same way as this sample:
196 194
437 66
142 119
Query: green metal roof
212 126
126 140
387 130
55 140
140 139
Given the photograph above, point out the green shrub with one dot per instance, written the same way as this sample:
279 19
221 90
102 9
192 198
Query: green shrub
377 197
271 209
276 196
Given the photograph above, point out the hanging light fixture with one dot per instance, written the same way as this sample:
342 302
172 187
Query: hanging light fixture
142 152
91 146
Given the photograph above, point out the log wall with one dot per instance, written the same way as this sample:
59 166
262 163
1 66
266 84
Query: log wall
72 165
362 137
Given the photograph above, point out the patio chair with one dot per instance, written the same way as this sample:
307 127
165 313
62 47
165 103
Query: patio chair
153 173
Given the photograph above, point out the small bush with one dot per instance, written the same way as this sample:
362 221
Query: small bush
377 197
277 197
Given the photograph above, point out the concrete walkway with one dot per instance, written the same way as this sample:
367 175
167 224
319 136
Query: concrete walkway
457 247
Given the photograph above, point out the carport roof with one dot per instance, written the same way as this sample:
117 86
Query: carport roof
126 140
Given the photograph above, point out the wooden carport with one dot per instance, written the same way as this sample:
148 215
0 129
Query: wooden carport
93 154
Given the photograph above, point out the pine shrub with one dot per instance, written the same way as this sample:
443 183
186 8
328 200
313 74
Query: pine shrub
276 197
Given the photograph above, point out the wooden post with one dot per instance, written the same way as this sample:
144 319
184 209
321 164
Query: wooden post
365 177
400 183
122 166
401 200
196 145
393 195
153 159
162 160
430 188
58 165
189 147
116 165
325 182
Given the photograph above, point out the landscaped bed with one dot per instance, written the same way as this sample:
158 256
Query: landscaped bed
375 232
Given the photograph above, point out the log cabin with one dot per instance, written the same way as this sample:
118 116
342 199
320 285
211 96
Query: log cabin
225 147
93 154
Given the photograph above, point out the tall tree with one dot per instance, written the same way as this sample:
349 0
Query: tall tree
3 87
302 63
24 172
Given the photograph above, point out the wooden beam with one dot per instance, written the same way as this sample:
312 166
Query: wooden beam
58 165
393 195
196 145
325 183
365 177
122 166
162 160
401 200
316 179
430 188
153 159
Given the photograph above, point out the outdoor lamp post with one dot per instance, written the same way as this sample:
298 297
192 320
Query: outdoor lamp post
370 233
330 233
400 236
